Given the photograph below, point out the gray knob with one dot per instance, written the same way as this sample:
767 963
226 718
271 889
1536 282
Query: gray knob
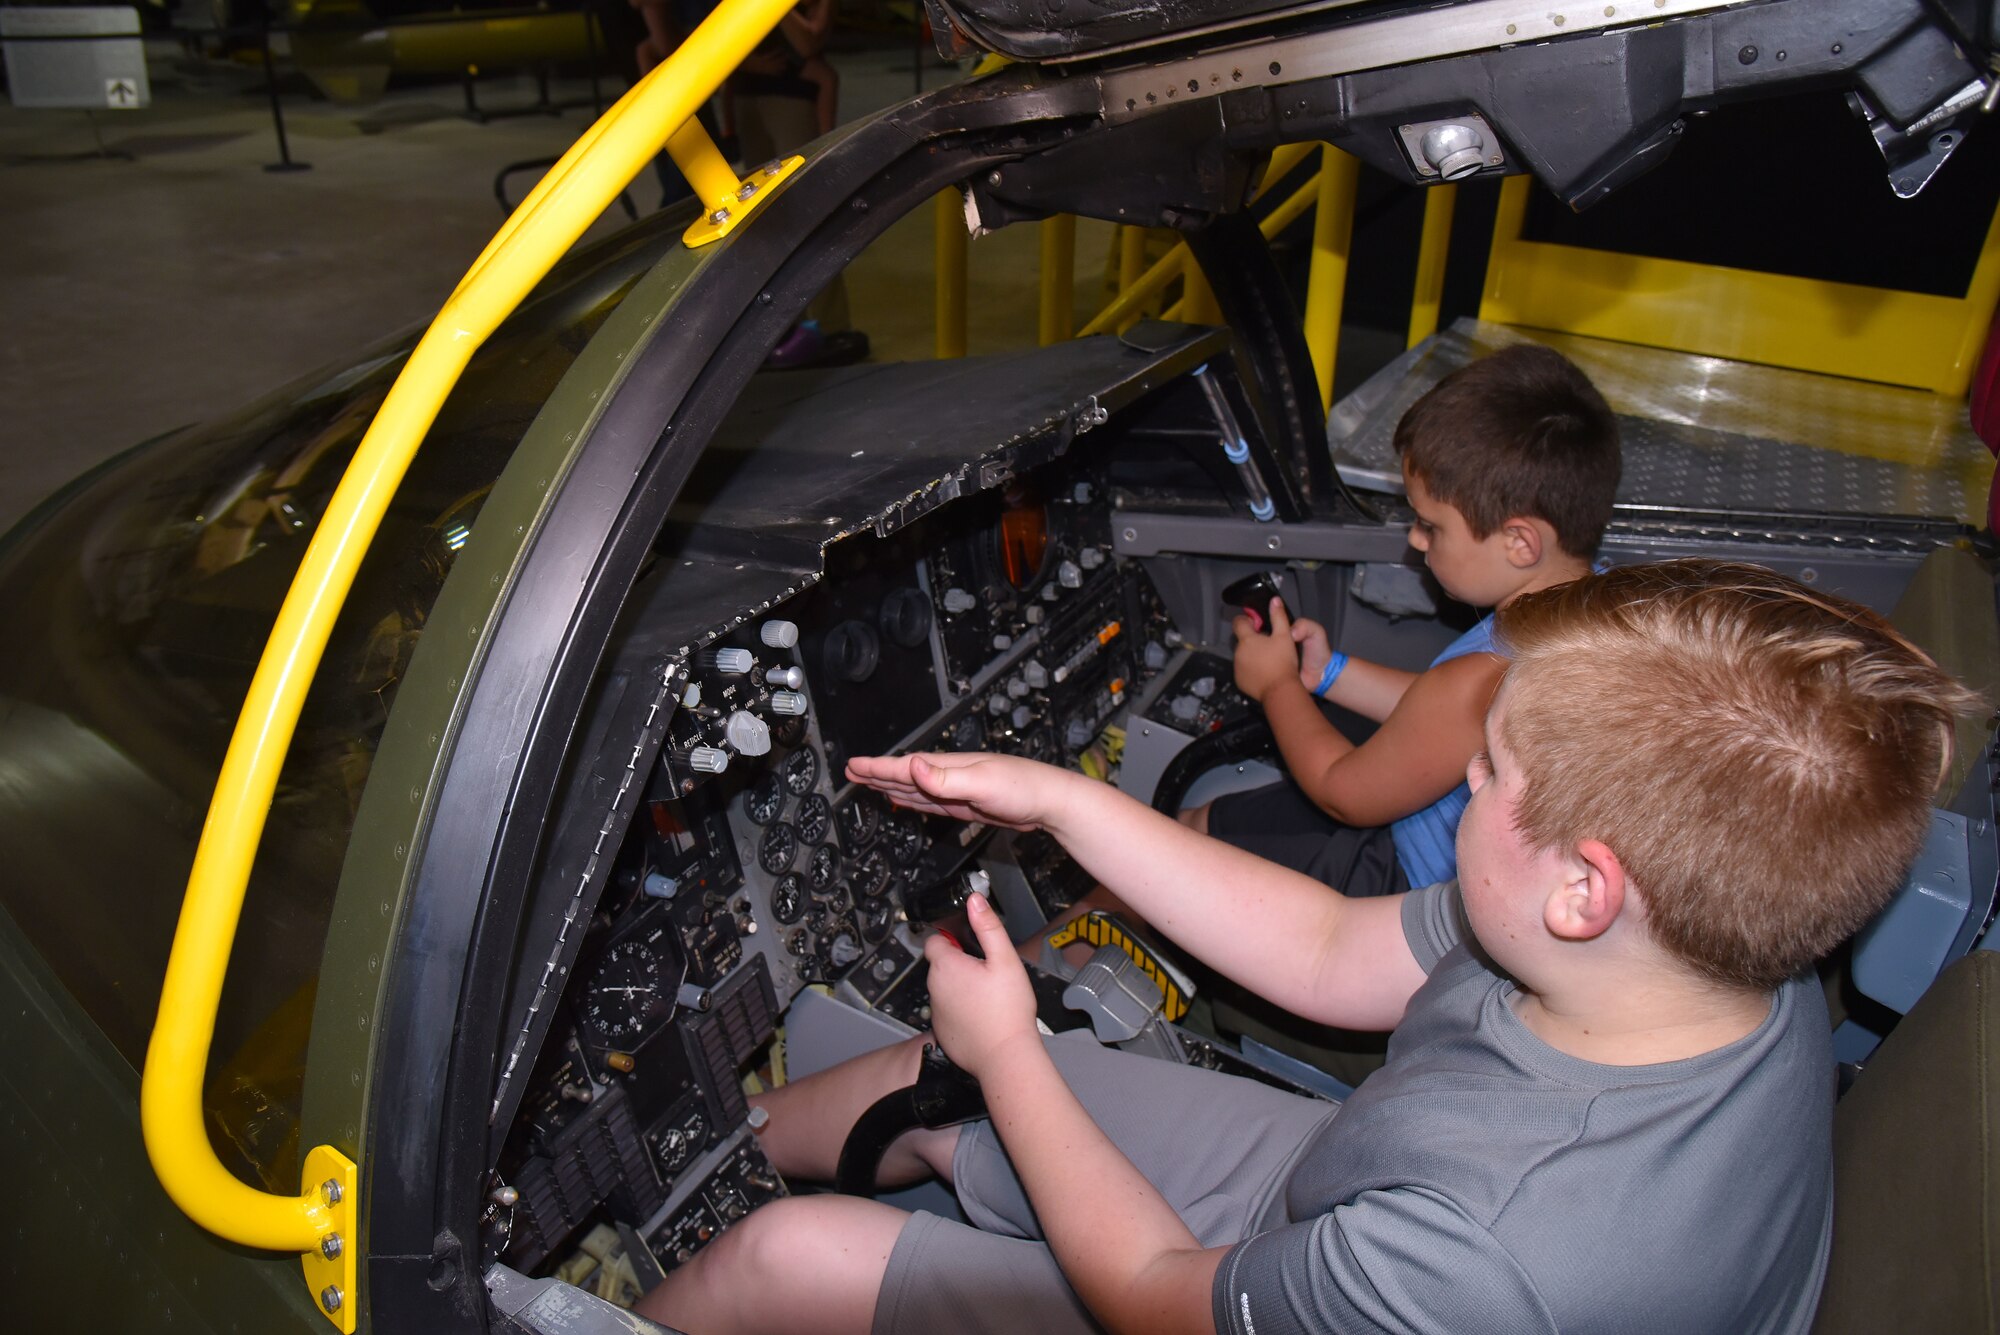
659 885
731 662
1173 638
708 760
1082 493
1090 558
1034 615
788 677
958 600
1016 688
1203 687
1077 734
842 950
691 697
1454 150
750 735
1002 642
1069 575
1156 655
1035 675
1051 592
1185 708
779 634
1022 716
996 703
787 702
693 996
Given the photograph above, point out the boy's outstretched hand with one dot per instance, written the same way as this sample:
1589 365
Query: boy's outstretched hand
980 1007
970 785
1263 661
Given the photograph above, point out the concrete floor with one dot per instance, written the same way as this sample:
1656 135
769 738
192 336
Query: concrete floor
147 293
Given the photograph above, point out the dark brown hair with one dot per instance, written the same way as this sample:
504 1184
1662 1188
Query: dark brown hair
1519 434
1761 757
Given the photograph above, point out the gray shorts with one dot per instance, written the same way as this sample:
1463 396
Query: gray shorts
1218 1147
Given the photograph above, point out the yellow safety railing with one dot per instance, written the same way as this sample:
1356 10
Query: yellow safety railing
319 1222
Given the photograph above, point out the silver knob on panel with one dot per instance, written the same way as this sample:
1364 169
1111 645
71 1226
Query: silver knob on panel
708 760
1035 675
788 677
746 732
1090 558
1069 575
787 702
731 662
1016 688
958 600
1022 716
779 634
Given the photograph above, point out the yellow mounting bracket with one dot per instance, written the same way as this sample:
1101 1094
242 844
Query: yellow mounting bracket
727 200
328 1183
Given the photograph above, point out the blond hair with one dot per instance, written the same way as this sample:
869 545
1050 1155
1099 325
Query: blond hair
1761 757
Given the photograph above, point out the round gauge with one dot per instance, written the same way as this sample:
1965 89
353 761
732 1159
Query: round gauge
871 878
813 818
788 898
801 770
823 868
765 799
841 945
799 943
876 920
628 995
861 819
778 849
903 834
968 734
673 1147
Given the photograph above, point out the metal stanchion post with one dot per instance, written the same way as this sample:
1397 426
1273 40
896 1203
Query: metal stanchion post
284 162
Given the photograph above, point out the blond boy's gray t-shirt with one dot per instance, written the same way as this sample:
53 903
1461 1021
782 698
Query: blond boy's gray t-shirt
1483 1181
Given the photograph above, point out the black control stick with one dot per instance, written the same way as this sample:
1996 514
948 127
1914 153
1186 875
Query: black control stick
1252 596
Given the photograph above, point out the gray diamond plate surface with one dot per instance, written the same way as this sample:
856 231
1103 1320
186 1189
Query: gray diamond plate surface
1702 433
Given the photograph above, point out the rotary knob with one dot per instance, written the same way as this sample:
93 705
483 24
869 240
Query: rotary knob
747 733
957 601
779 634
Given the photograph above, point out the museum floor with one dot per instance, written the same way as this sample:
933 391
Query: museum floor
146 292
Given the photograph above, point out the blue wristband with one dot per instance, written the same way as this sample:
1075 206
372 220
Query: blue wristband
1334 667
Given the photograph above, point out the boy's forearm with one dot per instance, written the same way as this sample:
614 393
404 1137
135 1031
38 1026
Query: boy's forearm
1310 745
1129 1256
1257 923
1371 690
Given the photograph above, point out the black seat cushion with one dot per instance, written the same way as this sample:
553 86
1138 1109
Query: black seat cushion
1916 1177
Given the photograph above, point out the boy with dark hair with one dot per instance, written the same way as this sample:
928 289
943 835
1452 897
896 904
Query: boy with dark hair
1609 1097
1511 464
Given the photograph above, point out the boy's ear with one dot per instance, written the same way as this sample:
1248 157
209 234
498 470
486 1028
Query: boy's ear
1591 897
1524 540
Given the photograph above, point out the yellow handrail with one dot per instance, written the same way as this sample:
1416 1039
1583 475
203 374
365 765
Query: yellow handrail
1326 279
1133 295
549 221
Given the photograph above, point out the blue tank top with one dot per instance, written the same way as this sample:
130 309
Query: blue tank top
1427 841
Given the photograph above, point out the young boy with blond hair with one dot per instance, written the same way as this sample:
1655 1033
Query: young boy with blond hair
1511 465
1609 1094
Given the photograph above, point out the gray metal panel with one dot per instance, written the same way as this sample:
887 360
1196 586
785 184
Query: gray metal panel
1897 955
1702 433
91 72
